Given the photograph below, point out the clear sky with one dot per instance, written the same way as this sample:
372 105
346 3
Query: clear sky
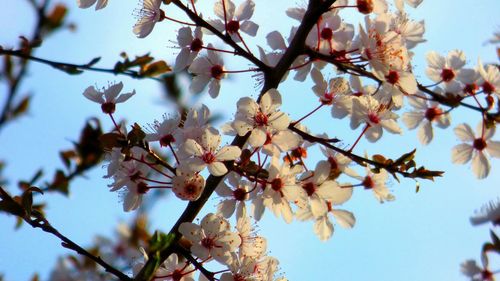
420 236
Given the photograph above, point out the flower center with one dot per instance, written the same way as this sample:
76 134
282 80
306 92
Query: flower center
327 34
488 87
392 77
447 75
208 157
196 45
207 242
167 140
277 184
142 188
240 194
217 71
310 188
191 189
470 88
233 26
177 275
479 144
368 182
432 113
260 119
373 118
108 107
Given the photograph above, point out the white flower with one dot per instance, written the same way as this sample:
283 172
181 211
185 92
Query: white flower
191 44
109 97
234 195
149 15
369 6
281 189
445 69
476 273
87 3
212 238
129 176
187 186
463 153
412 3
425 114
209 71
252 245
377 183
260 118
368 110
488 213
490 81
237 19
165 132
335 92
207 153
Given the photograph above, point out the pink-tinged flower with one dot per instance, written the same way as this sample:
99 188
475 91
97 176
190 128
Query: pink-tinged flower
279 142
338 163
165 132
377 184
108 98
237 19
244 268
488 213
252 245
490 81
87 3
476 273
128 178
195 124
212 238
441 69
281 189
234 196
425 114
207 153
209 71
368 110
187 186
476 150
260 118
191 44
335 92
149 15
397 82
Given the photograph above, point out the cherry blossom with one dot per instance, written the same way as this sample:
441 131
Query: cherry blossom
149 15
235 19
109 97
234 196
490 81
187 186
443 69
191 44
260 118
377 184
165 132
212 238
209 71
478 149
476 273
425 115
368 110
207 153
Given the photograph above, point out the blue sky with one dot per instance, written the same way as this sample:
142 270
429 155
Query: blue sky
420 236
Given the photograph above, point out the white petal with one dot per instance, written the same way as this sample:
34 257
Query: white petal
93 95
214 88
412 119
344 218
245 10
199 83
461 154
464 132
493 148
323 228
249 27
275 41
425 133
480 165
228 152
217 169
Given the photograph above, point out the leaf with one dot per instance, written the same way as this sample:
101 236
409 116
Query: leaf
27 199
160 241
69 69
405 157
136 135
60 183
110 140
21 107
155 69
56 17
9 205
93 61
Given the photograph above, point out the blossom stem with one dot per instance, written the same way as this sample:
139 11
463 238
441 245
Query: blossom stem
243 41
151 165
159 186
173 152
359 137
178 21
194 7
307 115
242 71
219 50
300 65
115 124
155 181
